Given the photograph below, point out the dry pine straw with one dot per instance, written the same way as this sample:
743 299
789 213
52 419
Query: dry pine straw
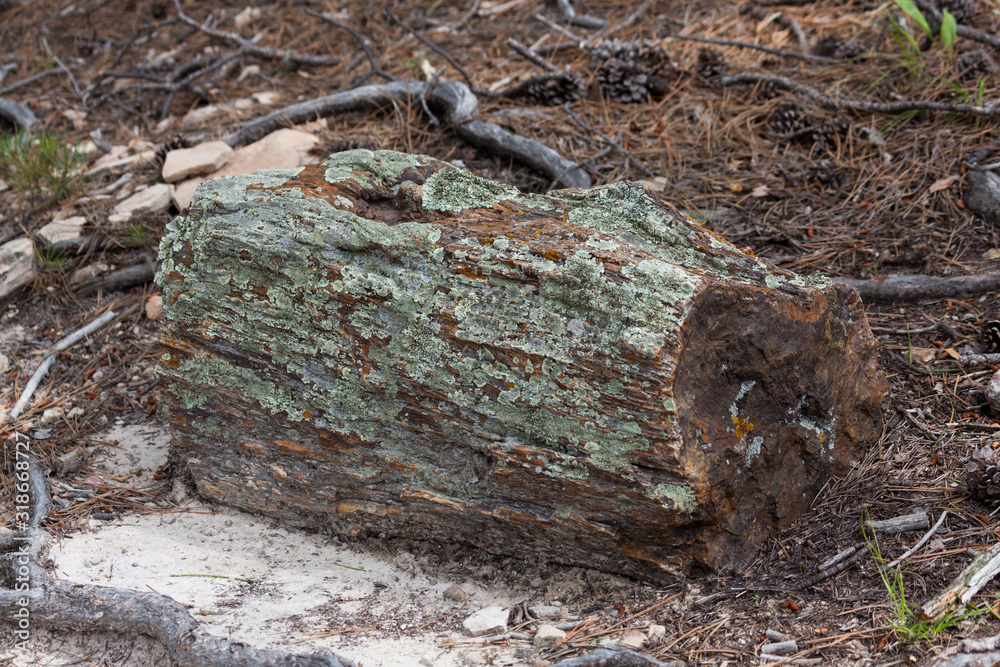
713 150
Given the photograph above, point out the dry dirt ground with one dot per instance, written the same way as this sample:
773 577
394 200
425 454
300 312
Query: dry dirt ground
857 192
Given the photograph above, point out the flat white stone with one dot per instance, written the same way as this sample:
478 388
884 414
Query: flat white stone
88 273
201 159
488 621
17 267
548 635
62 230
283 149
633 639
154 199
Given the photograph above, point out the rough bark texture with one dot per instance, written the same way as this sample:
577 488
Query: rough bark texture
384 344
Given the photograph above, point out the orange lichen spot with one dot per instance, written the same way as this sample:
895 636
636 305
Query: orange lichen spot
821 436
509 385
171 361
307 414
476 274
366 369
173 275
747 251
552 255
486 241
538 232
743 426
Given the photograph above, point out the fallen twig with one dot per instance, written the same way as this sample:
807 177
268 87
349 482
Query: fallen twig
127 277
284 55
536 59
980 571
362 42
612 142
757 47
923 540
18 114
438 50
43 368
841 103
461 109
979 359
584 21
901 289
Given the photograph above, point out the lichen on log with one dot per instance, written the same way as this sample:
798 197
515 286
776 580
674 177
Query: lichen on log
383 344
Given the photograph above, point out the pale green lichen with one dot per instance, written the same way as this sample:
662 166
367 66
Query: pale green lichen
681 496
452 189
261 279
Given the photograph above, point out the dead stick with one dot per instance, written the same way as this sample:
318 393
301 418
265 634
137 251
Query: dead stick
362 42
901 289
536 59
841 103
757 47
923 540
979 573
462 109
285 55
608 139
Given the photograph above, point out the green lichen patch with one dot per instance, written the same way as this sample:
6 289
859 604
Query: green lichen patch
455 190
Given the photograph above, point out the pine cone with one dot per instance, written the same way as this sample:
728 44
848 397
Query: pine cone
962 10
172 143
974 65
632 71
549 90
990 336
832 46
827 135
786 119
710 64
826 173
982 476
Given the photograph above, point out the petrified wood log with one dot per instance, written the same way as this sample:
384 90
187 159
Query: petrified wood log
384 344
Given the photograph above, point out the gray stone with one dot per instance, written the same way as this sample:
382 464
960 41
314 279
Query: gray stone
633 639
154 199
548 635
982 195
655 631
488 621
201 159
544 611
17 266
993 393
456 593
62 230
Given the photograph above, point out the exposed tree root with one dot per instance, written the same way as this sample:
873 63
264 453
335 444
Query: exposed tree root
460 108
903 289
613 657
66 605
35 600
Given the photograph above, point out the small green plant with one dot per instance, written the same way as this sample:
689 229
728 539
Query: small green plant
39 165
906 621
136 236
948 30
49 259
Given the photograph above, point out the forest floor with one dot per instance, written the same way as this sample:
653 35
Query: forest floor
729 134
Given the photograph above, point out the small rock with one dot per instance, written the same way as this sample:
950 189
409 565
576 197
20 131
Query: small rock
88 273
154 307
62 230
780 648
267 98
154 199
97 376
775 636
426 660
50 415
164 125
5 531
17 266
69 462
246 16
633 639
993 393
544 611
202 159
455 593
655 631
43 434
283 149
75 117
548 635
983 194
471 658
992 253
488 621
74 412
4 363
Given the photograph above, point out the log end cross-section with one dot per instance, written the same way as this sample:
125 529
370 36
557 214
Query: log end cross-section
383 344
